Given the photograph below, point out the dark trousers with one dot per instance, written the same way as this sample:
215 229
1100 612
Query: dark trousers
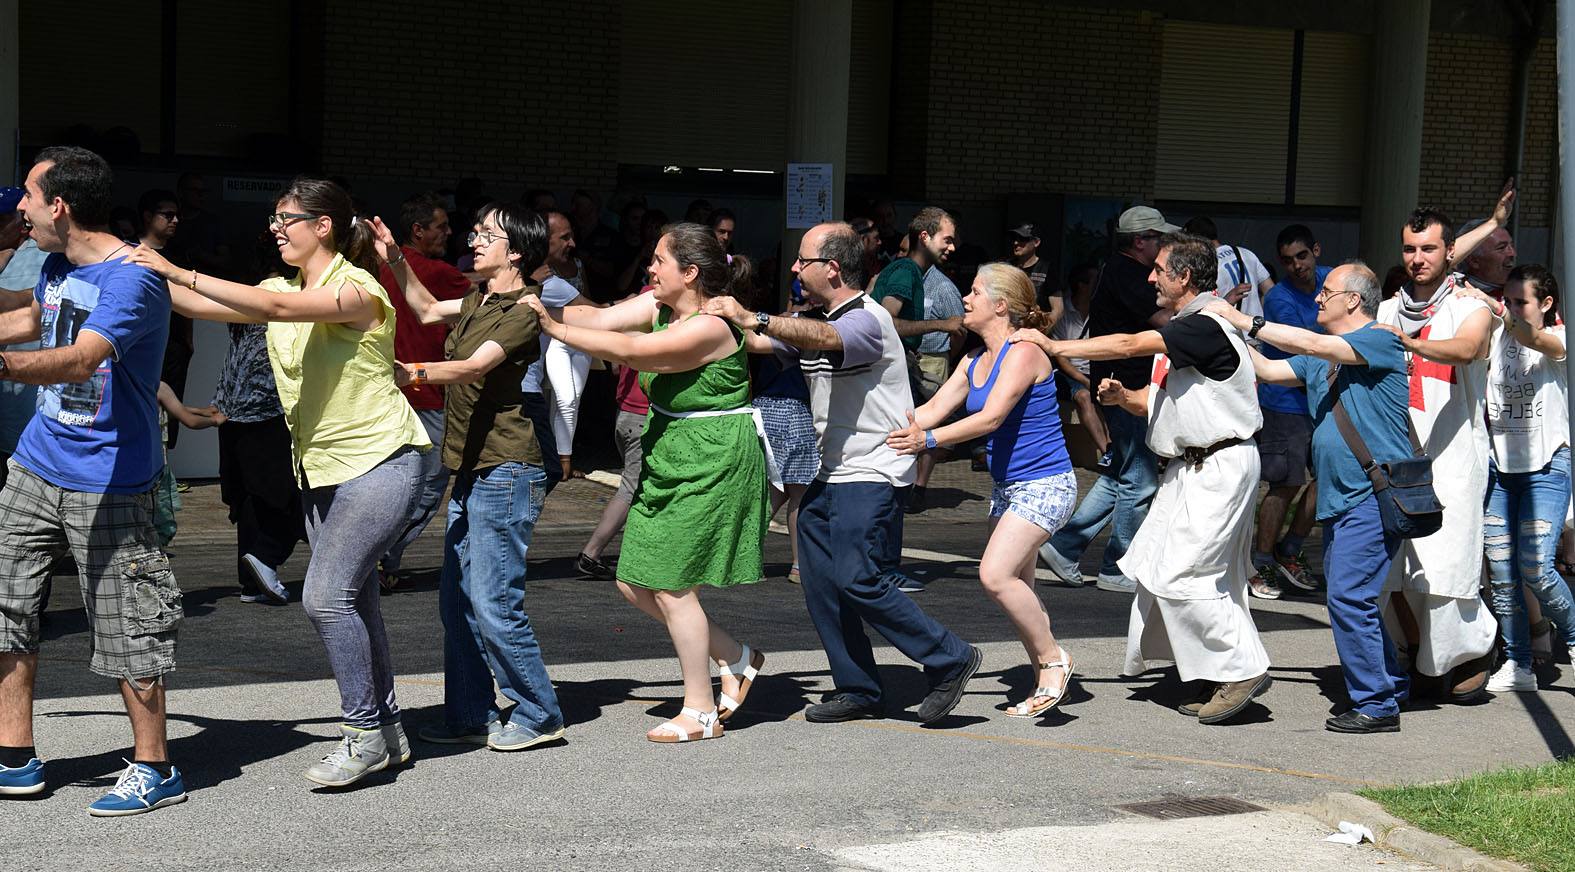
535 408
257 482
849 538
1356 558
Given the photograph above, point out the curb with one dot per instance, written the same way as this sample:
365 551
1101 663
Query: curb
1396 835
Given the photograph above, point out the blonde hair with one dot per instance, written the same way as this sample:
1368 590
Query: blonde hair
1008 284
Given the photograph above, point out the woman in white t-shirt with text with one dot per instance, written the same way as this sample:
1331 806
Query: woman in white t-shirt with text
1529 477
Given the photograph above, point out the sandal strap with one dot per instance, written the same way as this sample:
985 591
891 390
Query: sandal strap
725 702
744 668
1064 663
673 729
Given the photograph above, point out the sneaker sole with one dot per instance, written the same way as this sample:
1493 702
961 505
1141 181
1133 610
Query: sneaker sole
1260 690
1115 588
1392 728
975 660
22 790
539 740
455 740
376 767
268 593
1263 596
1290 578
168 800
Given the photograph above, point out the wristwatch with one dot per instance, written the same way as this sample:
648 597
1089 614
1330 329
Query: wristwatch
929 439
761 320
1257 324
420 377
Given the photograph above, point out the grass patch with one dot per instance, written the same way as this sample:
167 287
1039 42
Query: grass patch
1525 815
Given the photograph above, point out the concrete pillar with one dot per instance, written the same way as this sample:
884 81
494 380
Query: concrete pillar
821 53
10 90
1394 127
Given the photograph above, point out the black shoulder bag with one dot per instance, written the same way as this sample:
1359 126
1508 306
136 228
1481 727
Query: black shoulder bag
1407 504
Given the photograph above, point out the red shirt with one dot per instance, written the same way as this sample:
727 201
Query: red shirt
628 393
415 342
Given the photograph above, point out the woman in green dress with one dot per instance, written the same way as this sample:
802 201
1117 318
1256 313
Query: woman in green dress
699 514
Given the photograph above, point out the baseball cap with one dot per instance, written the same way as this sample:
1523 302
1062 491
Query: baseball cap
9 198
1143 219
1024 231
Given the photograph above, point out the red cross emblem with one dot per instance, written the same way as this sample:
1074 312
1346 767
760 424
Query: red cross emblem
1421 368
1161 370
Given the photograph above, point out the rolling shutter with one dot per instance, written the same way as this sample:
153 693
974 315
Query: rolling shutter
1333 128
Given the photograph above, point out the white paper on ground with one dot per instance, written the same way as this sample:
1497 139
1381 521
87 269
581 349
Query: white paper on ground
1351 834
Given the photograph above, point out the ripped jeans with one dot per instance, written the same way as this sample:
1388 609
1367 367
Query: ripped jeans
1522 519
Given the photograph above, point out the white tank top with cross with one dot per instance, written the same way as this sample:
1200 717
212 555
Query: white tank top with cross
1187 409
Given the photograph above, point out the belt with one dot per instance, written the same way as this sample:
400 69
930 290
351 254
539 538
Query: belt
760 430
1194 457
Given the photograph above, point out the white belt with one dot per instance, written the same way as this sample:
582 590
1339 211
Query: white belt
760 430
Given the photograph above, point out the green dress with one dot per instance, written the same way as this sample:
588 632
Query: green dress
700 512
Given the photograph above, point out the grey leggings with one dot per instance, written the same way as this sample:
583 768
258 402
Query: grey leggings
350 526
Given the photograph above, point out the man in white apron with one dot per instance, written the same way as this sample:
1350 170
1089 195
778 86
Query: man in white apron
1433 594
1191 557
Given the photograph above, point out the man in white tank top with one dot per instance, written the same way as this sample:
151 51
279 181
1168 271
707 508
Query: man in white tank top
1191 557
1438 578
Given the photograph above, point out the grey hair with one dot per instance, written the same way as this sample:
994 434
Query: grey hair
1364 283
843 245
1194 255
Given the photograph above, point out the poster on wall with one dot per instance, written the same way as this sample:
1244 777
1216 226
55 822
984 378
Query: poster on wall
808 195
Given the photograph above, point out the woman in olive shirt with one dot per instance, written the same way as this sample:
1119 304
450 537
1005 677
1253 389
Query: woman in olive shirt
499 485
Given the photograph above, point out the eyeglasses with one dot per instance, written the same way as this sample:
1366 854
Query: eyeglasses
485 237
285 219
171 215
806 261
1329 293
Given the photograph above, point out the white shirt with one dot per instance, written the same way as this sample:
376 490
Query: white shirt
1187 409
1073 325
1247 270
1526 395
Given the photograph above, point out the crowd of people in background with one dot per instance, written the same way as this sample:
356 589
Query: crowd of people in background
460 358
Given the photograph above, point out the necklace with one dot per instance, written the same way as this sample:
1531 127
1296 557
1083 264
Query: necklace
113 252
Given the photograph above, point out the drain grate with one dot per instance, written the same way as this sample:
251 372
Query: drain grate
1203 806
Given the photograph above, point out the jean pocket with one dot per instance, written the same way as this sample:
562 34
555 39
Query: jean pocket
151 600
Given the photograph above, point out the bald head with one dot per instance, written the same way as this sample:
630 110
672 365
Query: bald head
1350 297
830 261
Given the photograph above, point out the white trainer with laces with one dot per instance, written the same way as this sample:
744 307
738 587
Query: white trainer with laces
1512 677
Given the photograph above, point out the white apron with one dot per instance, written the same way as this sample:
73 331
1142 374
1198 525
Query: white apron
1441 574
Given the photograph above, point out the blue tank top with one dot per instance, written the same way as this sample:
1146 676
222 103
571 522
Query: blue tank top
1028 445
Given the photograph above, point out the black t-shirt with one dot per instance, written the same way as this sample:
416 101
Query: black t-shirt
1198 341
1123 302
1039 274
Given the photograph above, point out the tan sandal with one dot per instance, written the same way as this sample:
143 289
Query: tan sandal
1050 696
671 732
746 670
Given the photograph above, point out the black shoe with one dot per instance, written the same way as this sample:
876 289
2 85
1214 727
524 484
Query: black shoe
590 568
945 696
843 707
1354 721
915 503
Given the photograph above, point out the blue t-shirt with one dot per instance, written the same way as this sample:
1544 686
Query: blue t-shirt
1286 304
1375 396
101 435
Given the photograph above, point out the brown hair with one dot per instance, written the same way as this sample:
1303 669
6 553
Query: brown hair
1008 284
351 236
695 245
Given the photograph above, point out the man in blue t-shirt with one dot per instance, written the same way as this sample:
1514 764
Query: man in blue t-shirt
1371 383
81 476
1286 438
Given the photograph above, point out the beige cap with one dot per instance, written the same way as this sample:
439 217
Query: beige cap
1143 219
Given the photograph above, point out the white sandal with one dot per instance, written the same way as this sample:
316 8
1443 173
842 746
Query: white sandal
745 670
1025 709
671 732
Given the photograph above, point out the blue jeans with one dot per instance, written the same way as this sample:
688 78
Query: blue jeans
535 407
434 481
1522 519
1357 554
481 599
1123 495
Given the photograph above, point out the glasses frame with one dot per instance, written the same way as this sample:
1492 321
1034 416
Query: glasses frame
470 238
1326 295
281 220
806 261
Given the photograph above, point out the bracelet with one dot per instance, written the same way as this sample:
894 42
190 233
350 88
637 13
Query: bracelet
193 279
397 259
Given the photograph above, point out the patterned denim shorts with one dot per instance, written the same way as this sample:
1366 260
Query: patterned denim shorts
1044 502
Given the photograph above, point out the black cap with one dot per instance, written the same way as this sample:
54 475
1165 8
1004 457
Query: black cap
1025 231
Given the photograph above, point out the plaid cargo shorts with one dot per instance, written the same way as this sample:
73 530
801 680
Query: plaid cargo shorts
132 600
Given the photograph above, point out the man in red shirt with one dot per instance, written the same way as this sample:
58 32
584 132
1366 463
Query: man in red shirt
426 229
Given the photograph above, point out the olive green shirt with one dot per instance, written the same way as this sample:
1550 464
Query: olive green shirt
485 424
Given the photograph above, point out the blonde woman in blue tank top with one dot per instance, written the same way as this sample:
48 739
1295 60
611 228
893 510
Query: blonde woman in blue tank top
1008 391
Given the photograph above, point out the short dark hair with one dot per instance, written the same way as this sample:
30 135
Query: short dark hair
1293 234
720 214
418 209
928 220
1202 226
1080 271
1546 286
841 244
151 199
1426 216
82 179
526 230
1193 255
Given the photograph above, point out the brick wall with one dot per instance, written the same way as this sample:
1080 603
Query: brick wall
996 65
420 93
1465 128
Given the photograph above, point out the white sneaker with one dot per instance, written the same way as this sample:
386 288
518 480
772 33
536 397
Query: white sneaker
1116 584
267 580
1513 677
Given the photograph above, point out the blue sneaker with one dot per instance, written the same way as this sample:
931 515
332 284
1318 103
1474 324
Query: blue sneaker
140 789
22 780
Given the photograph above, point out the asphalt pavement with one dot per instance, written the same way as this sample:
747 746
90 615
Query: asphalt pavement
253 704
